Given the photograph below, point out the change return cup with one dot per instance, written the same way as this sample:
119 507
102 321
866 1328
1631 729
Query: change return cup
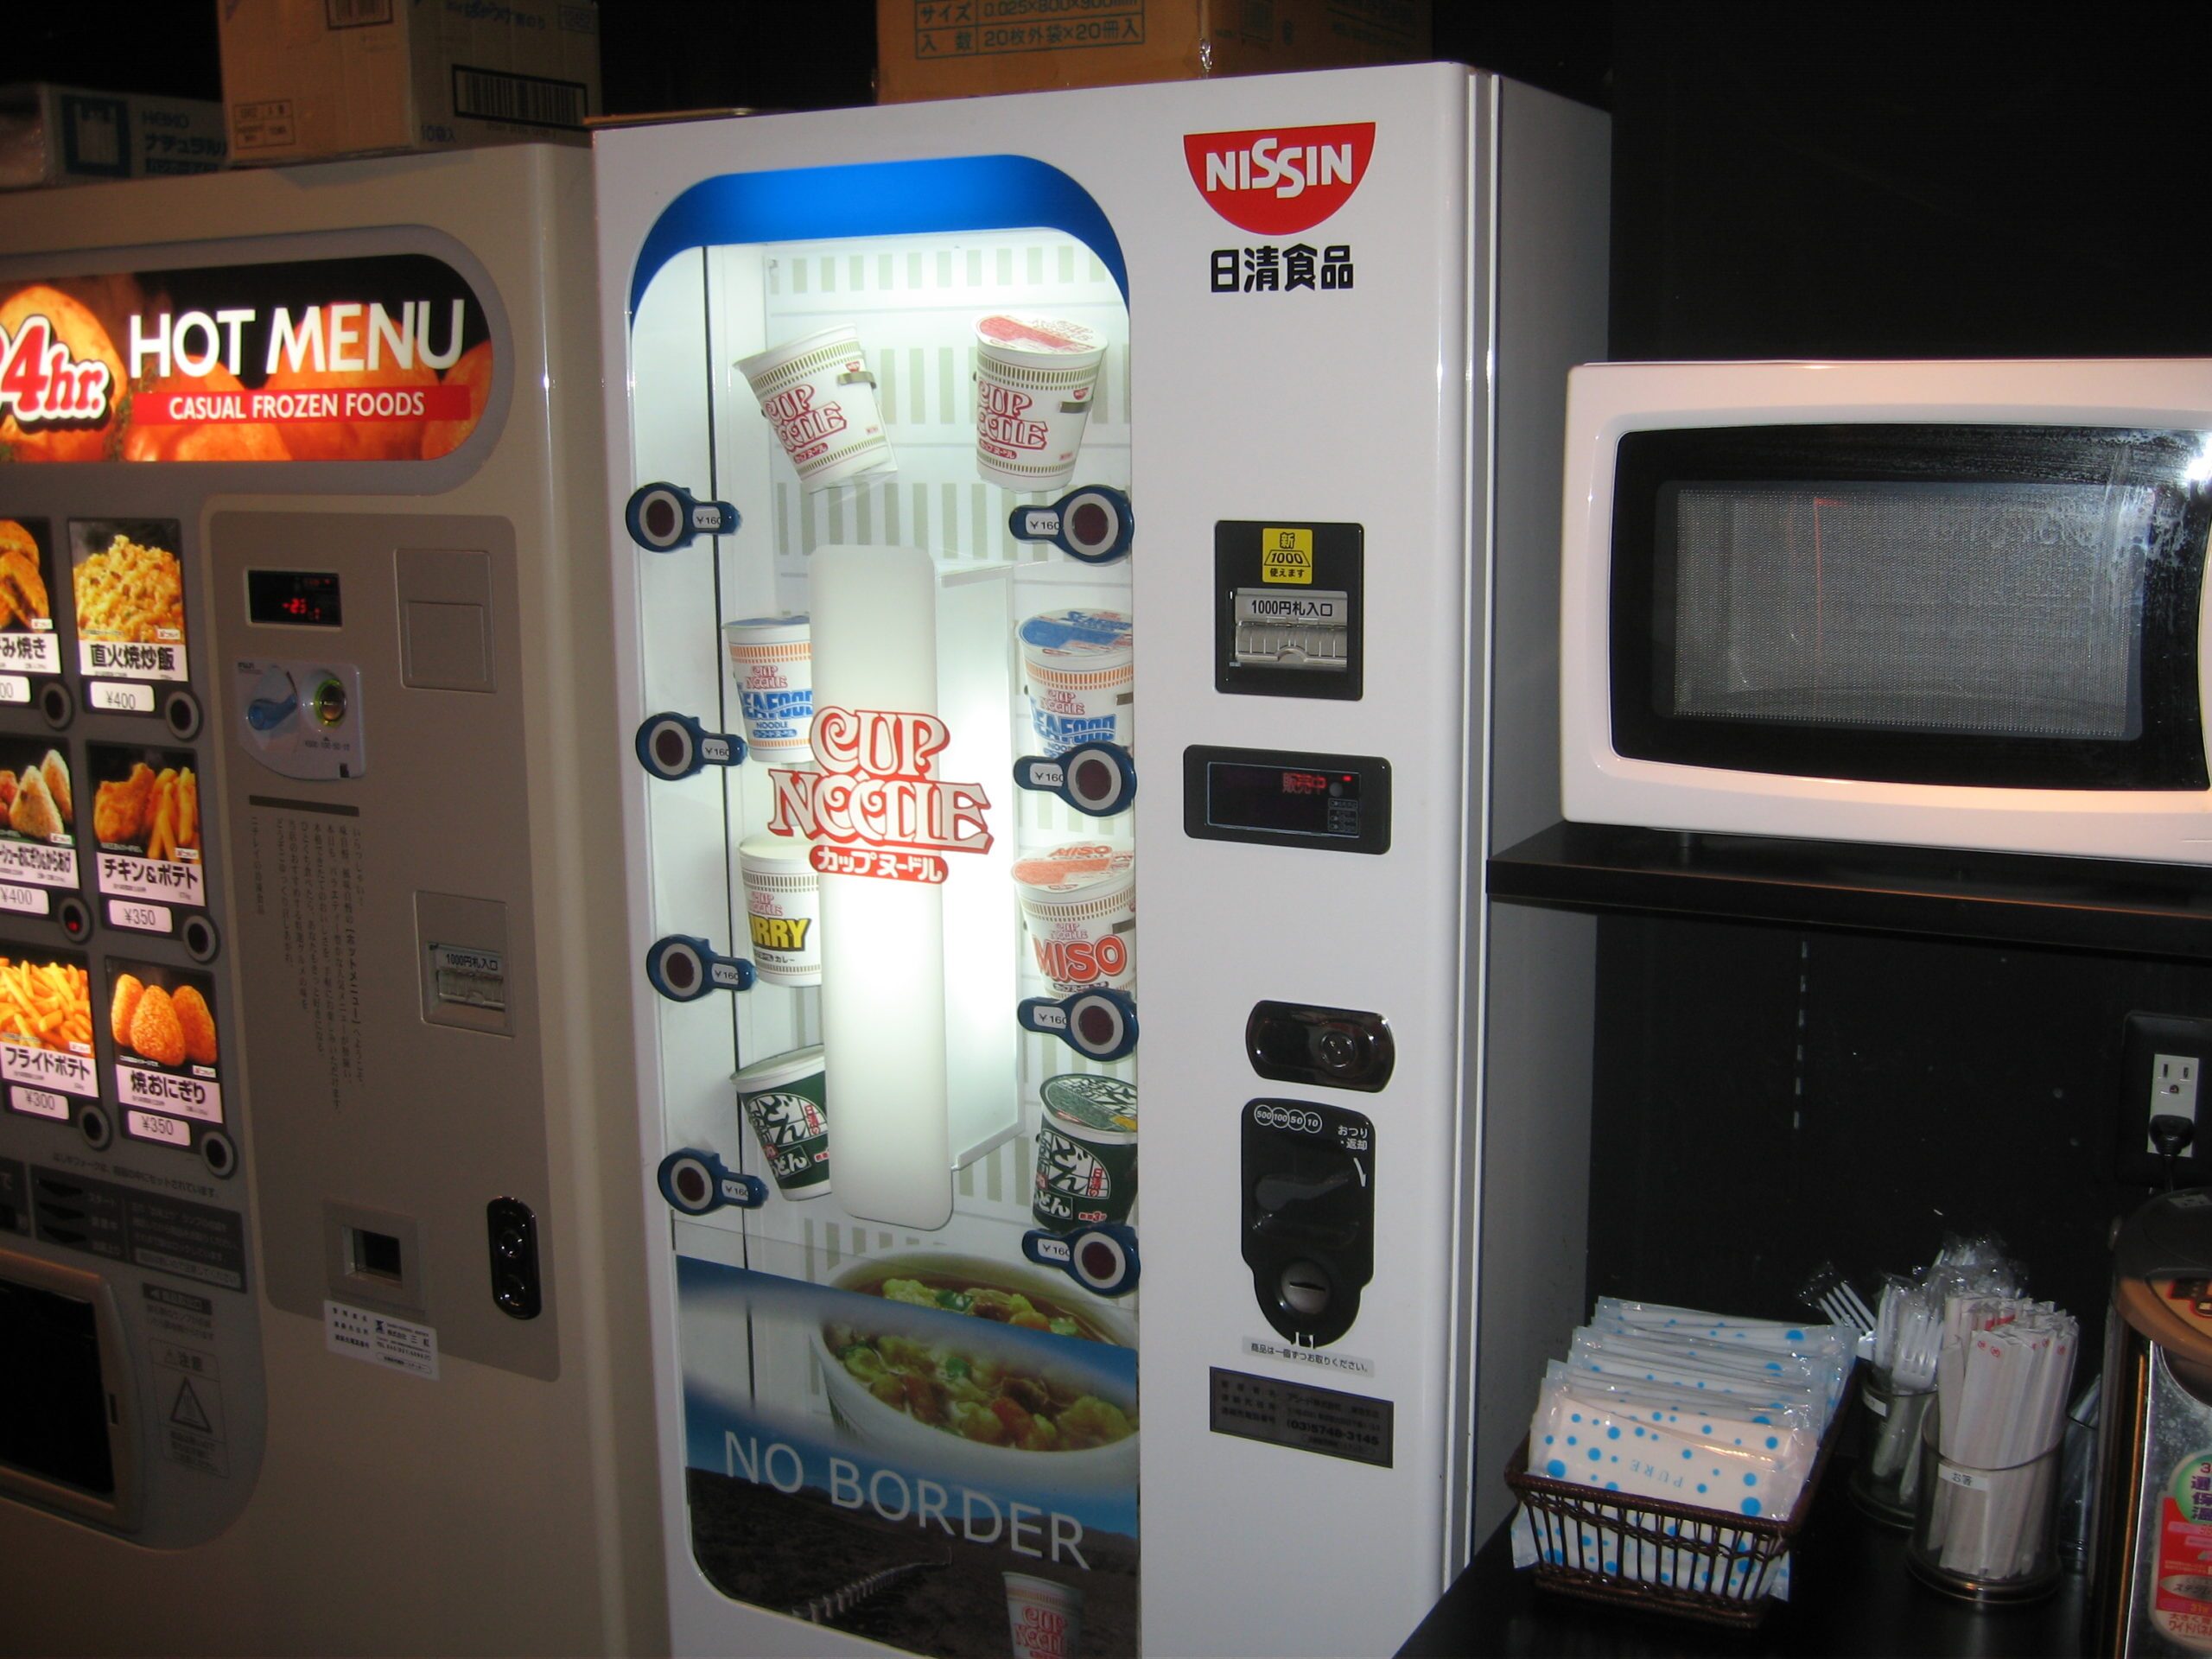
818 394
1034 378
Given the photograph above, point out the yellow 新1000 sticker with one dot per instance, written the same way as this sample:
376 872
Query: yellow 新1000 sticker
1286 556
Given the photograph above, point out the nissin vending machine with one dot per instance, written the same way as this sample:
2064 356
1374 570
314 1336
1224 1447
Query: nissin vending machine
319 1321
1085 587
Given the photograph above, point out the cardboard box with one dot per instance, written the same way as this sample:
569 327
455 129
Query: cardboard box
963 49
317 78
57 135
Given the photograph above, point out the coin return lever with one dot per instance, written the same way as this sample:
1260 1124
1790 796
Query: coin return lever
1309 1215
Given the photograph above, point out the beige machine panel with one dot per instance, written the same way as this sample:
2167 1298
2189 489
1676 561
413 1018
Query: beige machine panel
385 938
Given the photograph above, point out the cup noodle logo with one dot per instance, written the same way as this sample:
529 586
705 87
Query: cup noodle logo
1280 181
803 430
873 809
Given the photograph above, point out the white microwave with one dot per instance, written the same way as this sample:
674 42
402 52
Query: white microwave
1942 604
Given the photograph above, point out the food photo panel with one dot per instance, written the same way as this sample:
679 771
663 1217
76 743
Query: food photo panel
146 822
162 1021
128 584
38 812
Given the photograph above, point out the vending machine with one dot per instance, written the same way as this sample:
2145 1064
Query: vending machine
319 1251
1071 552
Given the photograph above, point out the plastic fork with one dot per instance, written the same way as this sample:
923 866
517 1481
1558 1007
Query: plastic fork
1845 1306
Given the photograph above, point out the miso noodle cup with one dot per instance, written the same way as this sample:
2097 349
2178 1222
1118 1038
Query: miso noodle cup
1072 1368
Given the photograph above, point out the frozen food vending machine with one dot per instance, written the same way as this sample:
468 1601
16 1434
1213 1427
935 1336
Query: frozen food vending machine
1060 541
316 1098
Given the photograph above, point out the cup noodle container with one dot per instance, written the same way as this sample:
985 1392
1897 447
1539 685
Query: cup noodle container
786 1102
820 397
782 909
771 663
1080 904
1033 381
1080 667
1045 1615
1086 1152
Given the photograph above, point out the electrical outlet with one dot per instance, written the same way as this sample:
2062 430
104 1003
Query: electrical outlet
2166 1058
2173 1090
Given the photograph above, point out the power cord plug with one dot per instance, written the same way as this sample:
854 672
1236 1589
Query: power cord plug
2171 1135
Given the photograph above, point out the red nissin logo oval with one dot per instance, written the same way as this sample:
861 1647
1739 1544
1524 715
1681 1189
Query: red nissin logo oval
1278 181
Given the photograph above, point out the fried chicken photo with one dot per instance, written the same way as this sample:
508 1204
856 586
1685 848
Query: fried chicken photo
120 809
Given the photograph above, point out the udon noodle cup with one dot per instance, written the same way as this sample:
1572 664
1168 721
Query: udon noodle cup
1080 667
1086 1152
772 665
1034 377
782 909
786 1103
818 394
1080 903
1047 1616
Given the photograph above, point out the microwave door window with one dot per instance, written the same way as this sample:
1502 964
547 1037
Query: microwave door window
1989 609
2034 632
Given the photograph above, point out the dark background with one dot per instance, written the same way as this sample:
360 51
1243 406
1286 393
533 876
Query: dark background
1941 179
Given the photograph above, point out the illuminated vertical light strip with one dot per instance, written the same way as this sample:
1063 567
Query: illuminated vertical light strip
883 980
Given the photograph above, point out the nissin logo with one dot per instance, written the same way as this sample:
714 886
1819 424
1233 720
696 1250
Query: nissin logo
1282 180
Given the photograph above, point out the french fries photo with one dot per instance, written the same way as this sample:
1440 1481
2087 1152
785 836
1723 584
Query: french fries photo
47 1005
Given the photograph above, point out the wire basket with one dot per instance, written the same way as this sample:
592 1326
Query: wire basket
1671 1557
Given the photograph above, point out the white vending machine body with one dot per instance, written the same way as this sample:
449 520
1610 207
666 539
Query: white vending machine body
1146 797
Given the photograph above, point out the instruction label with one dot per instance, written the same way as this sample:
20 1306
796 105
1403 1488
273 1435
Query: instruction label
307 868
164 1235
1306 1419
380 1339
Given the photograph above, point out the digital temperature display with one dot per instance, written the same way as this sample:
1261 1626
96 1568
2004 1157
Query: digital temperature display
1276 798
301 599
1285 800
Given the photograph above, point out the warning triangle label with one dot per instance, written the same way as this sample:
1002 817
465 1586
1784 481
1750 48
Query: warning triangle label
188 1412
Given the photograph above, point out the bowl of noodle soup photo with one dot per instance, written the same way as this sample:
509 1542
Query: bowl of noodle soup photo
1028 1381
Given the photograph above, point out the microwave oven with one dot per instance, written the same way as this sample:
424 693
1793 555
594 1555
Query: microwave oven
1942 604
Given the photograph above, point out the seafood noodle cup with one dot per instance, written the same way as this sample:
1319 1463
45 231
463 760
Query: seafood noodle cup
817 393
1080 906
1034 378
1080 667
772 666
942 1454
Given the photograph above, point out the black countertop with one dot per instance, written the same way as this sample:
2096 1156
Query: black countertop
1850 1595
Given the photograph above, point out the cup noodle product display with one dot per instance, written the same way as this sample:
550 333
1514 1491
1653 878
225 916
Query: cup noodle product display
1080 667
1034 377
771 665
782 909
1080 903
821 398
786 1102
1047 1616
1086 1152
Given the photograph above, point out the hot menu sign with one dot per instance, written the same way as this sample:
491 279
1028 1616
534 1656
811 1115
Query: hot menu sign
386 357
876 807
